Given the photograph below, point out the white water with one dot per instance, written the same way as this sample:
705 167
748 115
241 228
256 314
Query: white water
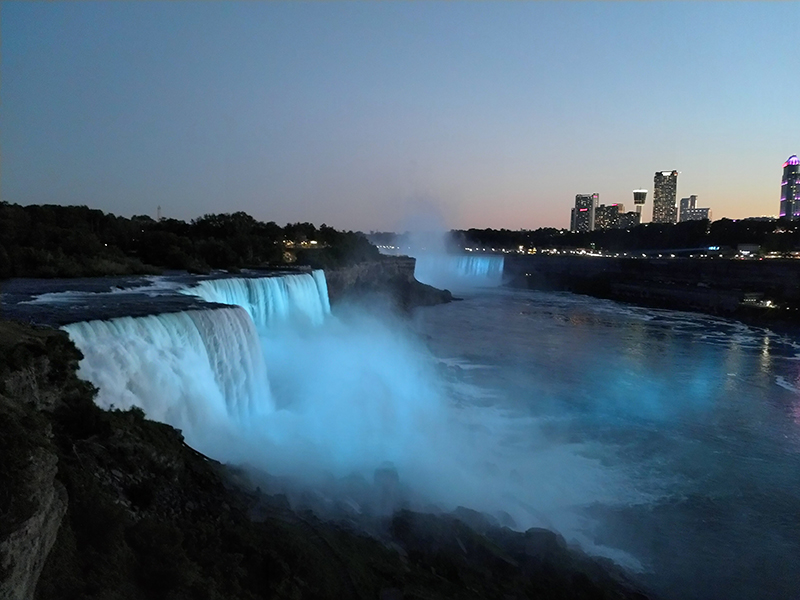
666 441
191 369
459 272
270 300
283 385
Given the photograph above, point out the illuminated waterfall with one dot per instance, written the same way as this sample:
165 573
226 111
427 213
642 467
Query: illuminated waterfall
250 383
270 300
186 369
198 367
444 270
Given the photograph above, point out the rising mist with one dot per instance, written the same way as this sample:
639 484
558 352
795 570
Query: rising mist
337 406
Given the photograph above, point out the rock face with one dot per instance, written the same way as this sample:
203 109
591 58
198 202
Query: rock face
760 291
24 551
34 502
391 278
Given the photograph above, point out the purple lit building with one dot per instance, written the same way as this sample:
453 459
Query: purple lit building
790 188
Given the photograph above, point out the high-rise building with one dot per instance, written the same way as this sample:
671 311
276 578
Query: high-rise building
639 198
664 193
607 217
630 219
691 212
790 188
584 212
686 204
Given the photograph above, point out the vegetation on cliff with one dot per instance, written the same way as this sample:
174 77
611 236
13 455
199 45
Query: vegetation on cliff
148 517
76 241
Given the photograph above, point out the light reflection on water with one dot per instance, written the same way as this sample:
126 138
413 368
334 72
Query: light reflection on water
702 413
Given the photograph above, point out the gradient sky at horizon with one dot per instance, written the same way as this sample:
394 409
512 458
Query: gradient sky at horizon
395 115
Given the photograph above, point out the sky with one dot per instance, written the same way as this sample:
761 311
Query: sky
395 115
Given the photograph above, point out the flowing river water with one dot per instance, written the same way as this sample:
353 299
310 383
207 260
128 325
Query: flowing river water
667 441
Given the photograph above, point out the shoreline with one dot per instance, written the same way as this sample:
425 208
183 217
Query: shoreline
760 293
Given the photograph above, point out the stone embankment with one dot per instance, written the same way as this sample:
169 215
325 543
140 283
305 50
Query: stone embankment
763 291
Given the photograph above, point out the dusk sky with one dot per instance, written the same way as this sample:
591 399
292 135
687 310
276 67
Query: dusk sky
390 115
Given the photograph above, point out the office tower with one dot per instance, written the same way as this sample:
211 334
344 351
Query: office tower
664 193
584 212
629 219
691 212
687 204
639 198
790 188
606 217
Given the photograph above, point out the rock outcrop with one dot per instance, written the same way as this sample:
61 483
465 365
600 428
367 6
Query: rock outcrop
391 278
24 550
32 502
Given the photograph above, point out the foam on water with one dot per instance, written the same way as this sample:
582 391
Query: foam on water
154 286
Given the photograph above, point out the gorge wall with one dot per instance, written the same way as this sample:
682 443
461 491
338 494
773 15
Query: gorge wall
34 377
391 278
752 290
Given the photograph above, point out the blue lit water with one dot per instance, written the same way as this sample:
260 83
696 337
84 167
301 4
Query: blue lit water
695 419
459 271
668 441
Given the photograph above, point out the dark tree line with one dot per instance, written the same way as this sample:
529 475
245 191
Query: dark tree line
780 236
73 241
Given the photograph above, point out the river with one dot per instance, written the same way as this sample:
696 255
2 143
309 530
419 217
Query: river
690 426
667 441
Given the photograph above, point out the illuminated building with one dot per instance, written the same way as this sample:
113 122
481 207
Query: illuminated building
607 217
696 214
790 188
664 194
691 212
584 212
630 219
687 204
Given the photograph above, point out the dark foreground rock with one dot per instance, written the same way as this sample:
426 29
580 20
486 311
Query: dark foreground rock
392 278
99 504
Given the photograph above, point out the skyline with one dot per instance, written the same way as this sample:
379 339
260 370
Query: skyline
395 116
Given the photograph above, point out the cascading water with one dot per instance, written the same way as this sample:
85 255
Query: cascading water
343 398
270 300
665 441
453 271
187 368
199 370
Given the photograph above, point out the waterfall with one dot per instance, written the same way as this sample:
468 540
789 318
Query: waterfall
443 270
187 369
198 367
271 300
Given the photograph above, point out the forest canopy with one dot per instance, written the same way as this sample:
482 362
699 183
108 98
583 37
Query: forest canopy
77 241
